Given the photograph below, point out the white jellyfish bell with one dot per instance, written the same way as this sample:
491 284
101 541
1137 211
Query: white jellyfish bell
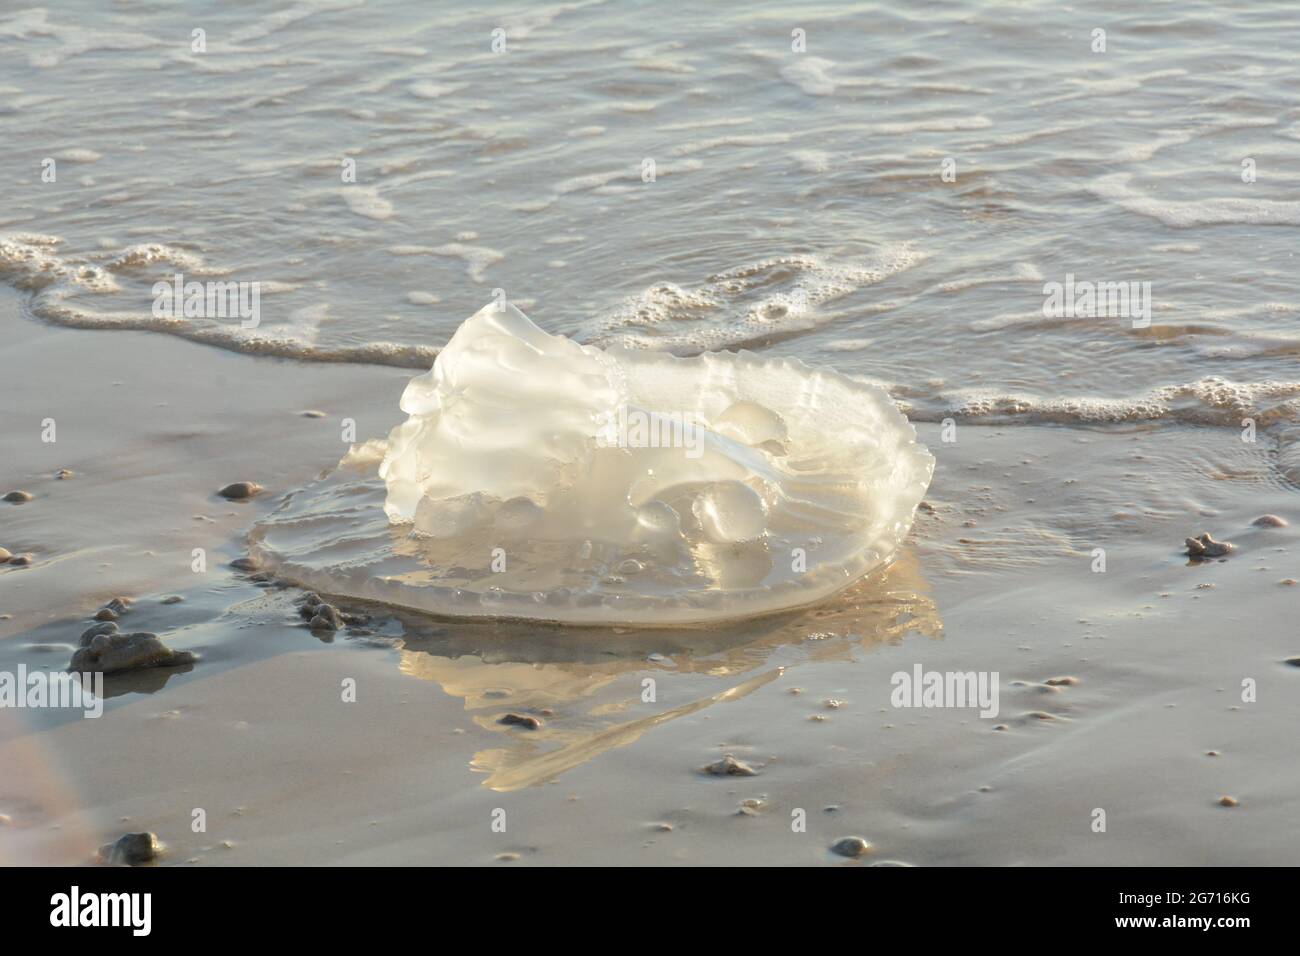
539 478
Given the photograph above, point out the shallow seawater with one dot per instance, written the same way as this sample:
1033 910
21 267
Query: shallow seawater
798 202
682 182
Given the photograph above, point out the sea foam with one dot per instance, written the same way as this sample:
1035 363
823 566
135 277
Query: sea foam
539 478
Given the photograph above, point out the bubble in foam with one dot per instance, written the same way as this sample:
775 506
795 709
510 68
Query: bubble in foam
539 478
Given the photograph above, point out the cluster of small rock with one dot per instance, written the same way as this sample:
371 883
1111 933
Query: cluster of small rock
108 650
322 616
1206 547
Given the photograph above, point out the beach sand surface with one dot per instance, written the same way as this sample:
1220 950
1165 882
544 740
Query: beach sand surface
997 576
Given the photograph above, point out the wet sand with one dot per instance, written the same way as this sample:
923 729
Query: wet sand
997 576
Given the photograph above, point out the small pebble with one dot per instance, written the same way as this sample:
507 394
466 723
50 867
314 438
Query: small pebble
63 474
119 604
1293 661
245 564
729 766
521 720
852 847
1227 801
240 490
18 497
5 555
105 614
664 827
1061 681
172 599
1269 521
131 849
21 560
312 413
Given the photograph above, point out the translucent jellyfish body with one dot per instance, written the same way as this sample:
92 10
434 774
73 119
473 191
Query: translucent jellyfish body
539 478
